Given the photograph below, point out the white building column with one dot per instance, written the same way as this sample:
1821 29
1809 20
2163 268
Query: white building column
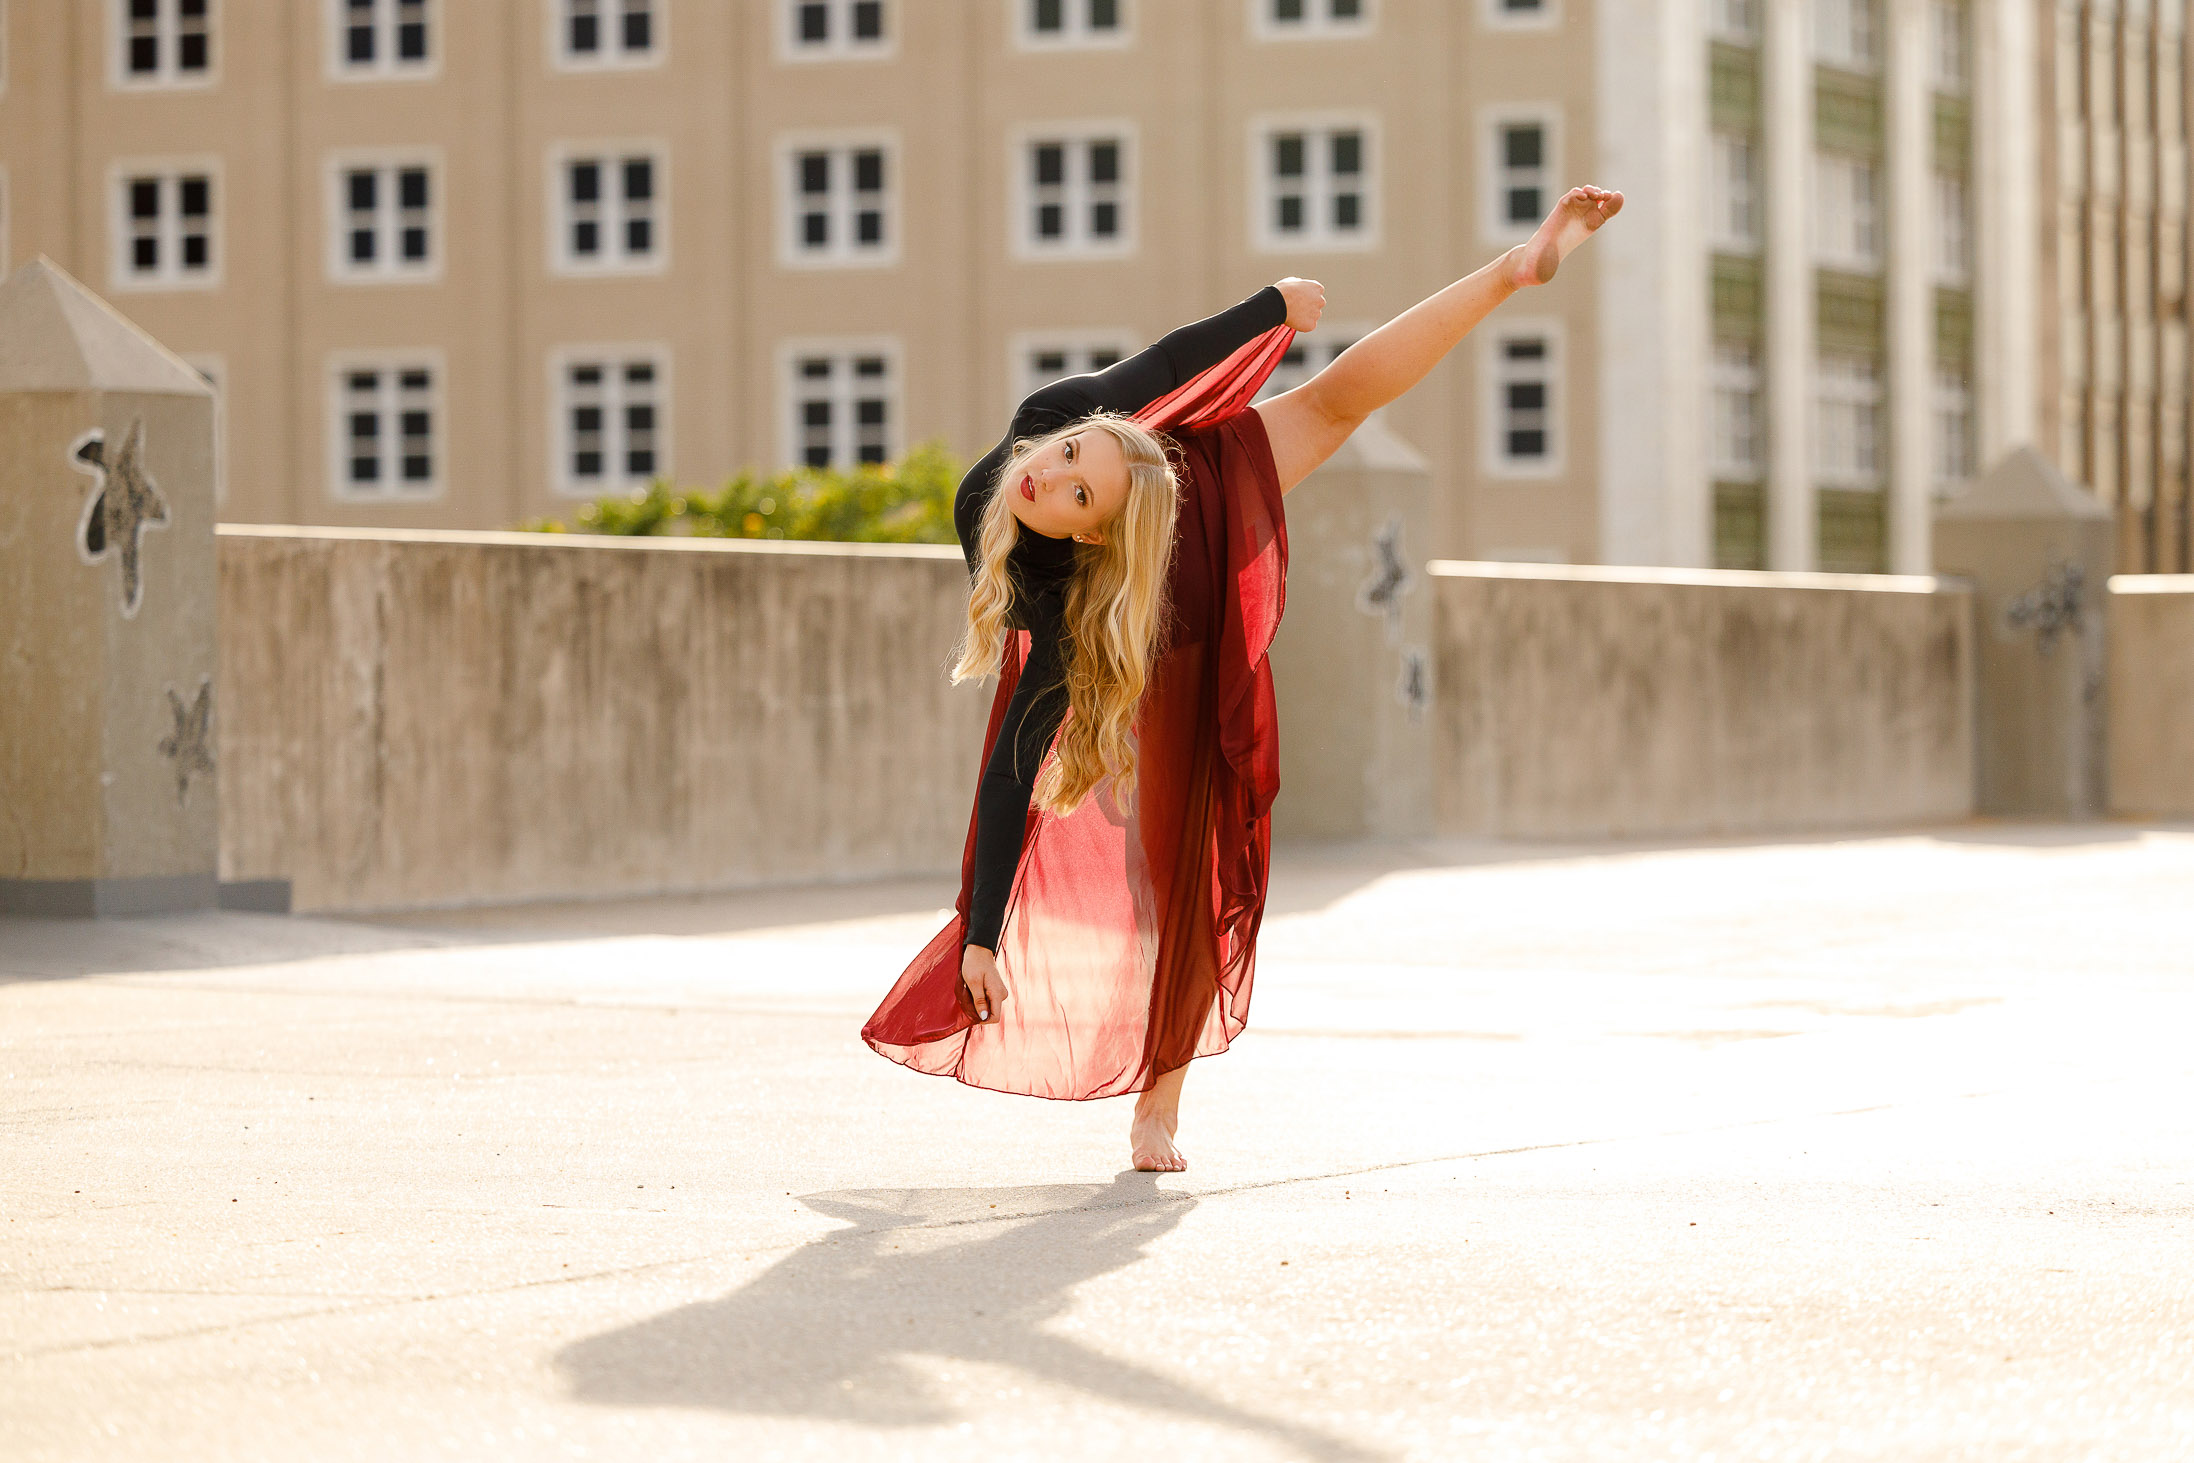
2006 192
1909 151
1786 99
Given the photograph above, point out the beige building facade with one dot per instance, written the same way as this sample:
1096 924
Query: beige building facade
462 263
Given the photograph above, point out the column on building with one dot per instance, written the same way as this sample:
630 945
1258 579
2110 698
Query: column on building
2005 175
1911 291
1788 306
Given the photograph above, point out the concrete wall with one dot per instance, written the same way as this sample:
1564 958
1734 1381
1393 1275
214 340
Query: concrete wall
440 718
1597 702
2151 713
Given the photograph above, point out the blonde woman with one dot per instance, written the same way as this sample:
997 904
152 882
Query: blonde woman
1128 557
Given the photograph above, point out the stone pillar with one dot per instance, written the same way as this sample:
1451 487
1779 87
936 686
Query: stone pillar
1911 282
106 610
1352 664
1786 97
2006 184
2038 551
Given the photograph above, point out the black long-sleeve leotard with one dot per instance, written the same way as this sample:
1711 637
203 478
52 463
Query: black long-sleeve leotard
1041 567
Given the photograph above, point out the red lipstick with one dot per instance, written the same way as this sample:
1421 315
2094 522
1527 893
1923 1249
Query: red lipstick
1028 489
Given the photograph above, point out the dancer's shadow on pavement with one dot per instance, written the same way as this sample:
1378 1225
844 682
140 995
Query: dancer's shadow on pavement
967 1275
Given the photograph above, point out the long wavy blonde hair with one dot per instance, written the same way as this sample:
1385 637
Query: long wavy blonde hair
1115 611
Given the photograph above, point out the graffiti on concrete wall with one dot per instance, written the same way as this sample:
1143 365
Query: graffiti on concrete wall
2050 608
1414 687
1381 592
190 744
124 502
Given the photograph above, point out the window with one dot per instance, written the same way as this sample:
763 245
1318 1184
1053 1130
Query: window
1285 19
823 30
1520 168
1520 14
1949 50
382 222
1735 193
609 210
1317 183
842 403
1075 192
1848 215
1734 20
1309 355
378 38
611 415
1737 440
1522 437
1072 22
1845 34
1847 422
591 34
1953 431
384 439
1038 359
213 370
165 234
164 42
839 205
1953 236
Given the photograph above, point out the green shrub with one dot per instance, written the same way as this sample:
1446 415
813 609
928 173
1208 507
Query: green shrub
907 502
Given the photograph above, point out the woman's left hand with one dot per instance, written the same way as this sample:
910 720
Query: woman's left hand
1306 301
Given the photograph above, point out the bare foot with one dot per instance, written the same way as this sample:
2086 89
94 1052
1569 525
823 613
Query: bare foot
1576 214
1150 1138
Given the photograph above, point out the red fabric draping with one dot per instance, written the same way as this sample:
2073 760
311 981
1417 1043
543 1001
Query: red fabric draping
1130 936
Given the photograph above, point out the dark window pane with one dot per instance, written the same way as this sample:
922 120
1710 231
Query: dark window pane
362 246
144 54
364 189
1348 210
872 452
815 413
639 179
1527 444
1104 14
868 171
1099 360
365 426
640 417
814 23
814 172
816 456
192 53
1527 396
869 413
586 35
1290 216
418 468
586 418
365 469
639 236
412 187
1050 16
586 182
359 44
197 251
192 9
639 30
1523 205
868 20
1523 350
1051 165
1287 10
1347 9
640 462
415 243
586 238
144 198
144 9
869 366
1521 146
586 464
411 41
639 373
144 254
1104 220
1104 162
364 380
1050 221
871 226
415 424
413 380
815 367
586 375
1051 363
1348 152
197 197
815 230
1288 154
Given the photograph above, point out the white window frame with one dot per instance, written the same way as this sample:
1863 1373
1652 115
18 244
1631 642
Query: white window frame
1265 236
1079 346
1734 20
1846 397
389 267
1735 372
1076 34
1307 355
1836 25
1950 37
1317 23
1953 403
610 57
1838 220
120 277
1953 219
612 153
842 252
841 46
1493 194
1022 244
1496 372
843 350
167 78
214 371
337 455
385 66
1733 192
1546 15
613 358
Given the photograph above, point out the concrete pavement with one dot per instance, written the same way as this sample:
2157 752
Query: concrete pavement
1865 1148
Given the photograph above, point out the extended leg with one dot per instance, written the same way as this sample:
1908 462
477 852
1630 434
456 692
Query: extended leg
1157 1119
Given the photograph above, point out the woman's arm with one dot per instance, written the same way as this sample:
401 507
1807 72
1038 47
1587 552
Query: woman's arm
1309 424
1132 384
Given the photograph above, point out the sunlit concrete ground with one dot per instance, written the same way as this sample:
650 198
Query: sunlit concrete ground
1879 1148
